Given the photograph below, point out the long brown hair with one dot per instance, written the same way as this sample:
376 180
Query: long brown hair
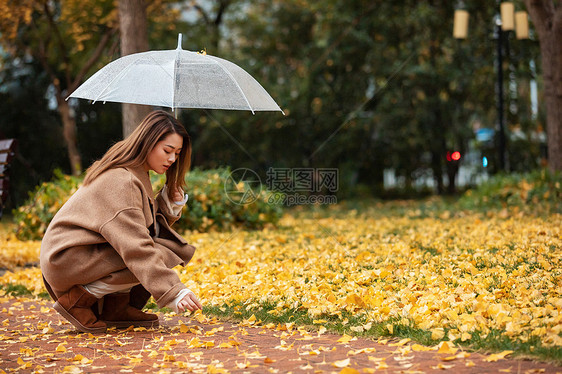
133 151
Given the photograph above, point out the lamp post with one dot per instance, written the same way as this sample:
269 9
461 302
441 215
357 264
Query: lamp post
499 89
507 20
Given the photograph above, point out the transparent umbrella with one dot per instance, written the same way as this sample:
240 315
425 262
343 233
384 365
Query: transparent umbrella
177 79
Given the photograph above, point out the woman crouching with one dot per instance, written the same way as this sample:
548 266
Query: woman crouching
111 245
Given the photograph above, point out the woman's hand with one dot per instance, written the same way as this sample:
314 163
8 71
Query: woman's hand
189 302
178 195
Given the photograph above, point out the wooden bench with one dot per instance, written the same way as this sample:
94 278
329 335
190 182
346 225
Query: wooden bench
7 152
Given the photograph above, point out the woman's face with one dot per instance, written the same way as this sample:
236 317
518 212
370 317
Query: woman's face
164 153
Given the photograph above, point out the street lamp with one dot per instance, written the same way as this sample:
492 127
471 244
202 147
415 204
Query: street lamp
507 20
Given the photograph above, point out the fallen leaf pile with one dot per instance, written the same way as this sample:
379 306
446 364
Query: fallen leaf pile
14 252
463 274
453 275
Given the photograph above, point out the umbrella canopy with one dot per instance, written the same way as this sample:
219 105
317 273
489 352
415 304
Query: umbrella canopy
177 79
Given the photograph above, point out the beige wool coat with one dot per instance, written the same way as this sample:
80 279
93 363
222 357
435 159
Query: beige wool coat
106 231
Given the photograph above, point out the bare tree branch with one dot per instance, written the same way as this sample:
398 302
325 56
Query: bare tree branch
202 13
62 47
41 54
114 48
220 12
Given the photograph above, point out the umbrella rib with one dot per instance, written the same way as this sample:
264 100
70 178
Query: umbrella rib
177 62
235 82
124 70
113 80
110 83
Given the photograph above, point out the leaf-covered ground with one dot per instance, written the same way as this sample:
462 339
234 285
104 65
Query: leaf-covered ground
34 338
484 281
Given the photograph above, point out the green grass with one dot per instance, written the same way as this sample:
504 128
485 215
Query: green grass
492 342
19 290
16 290
537 193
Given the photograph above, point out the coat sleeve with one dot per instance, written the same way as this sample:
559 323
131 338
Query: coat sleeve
127 234
165 209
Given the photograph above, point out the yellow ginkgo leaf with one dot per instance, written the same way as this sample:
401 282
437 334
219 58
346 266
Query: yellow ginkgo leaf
437 333
71 369
347 370
345 339
341 363
442 367
184 329
420 348
446 348
382 365
400 343
497 356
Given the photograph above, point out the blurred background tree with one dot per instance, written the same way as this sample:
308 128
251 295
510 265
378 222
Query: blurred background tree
133 26
547 16
67 38
365 85
47 50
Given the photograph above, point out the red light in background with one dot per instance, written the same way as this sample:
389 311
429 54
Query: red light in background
456 156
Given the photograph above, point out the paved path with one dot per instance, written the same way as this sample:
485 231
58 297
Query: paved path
33 337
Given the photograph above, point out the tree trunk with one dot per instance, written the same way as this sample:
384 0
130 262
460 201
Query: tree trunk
547 19
69 133
436 168
134 38
452 170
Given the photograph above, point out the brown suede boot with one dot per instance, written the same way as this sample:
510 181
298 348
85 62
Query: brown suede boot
75 306
138 296
118 313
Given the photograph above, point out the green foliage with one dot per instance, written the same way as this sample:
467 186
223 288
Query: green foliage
365 86
209 207
16 289
33 217
538 192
